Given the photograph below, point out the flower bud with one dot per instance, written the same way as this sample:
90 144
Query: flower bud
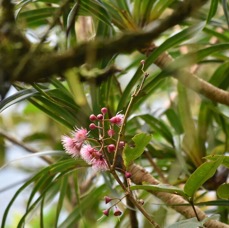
141 201
99 116
111 132
107 199
142 62
111 148
104 110
92 117
106 212
121 144
127 174
117 212
92 126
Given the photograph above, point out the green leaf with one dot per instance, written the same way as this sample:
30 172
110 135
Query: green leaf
200 176
194 57
160 188
63 189
17 97
225 9
190 223
212 10
95 9
140 141
89 201
159 126
168 43
225 158
219 78
190 144
218 202
174 120
223 191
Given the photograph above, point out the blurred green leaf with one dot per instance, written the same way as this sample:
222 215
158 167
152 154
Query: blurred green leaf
225 9
89 201
160 188
225 159
201 175
223 191
132 153
174 120
213 9
159 126
219 78
190 223
17 97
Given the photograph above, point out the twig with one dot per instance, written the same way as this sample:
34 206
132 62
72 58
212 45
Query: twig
21 144
156 168
121 131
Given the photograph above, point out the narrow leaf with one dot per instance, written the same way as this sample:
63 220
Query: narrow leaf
212 10
225 9
160 188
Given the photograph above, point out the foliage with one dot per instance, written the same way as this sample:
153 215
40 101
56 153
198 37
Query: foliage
163 65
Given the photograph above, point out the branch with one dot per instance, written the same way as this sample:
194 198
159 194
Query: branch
140 175
193 82
42 66
22 145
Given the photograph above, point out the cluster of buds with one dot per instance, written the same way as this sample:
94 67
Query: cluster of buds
117 212
79 144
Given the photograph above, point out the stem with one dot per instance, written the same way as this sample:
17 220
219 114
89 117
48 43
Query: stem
121 131
25 147
194 209
132 199
156 168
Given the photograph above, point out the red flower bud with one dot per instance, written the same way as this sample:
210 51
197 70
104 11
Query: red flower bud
104 110
92 117
92 126
121 144
111 148
127 174
99 116
106 212
107 199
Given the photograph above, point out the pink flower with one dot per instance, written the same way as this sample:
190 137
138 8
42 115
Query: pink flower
118 119
93 157
71 147
99 163
87 153
79 135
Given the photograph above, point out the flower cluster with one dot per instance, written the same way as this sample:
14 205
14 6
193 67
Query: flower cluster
78 145
117 212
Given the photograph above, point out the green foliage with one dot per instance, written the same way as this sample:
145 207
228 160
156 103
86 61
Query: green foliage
132 153
223 191
201 175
